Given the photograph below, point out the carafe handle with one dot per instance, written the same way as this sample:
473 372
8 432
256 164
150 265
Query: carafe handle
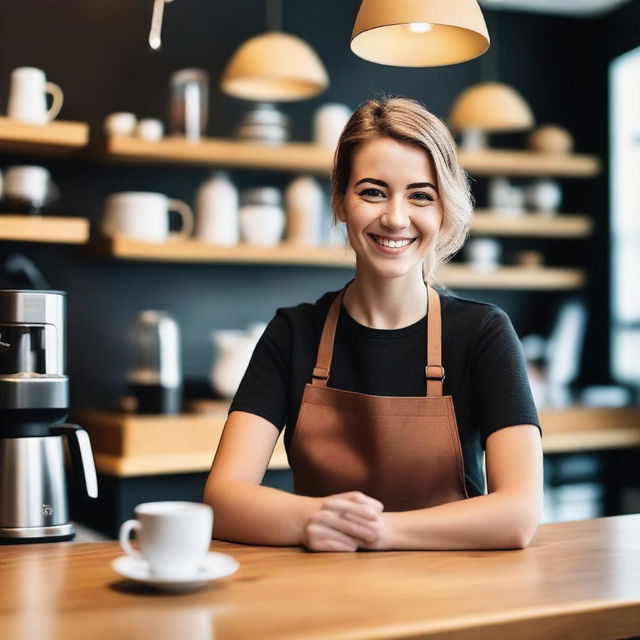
81 455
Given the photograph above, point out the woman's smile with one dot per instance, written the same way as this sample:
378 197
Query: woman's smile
390 245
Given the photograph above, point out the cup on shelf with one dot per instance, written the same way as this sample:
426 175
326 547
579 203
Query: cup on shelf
544 196
262 218
483 254
150 129
121 123
145 216
27 189
28 96
173 537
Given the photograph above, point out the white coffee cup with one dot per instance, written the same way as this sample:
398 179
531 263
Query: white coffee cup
121 123
483 254
27 96
29 183
145 216
173 537
150 129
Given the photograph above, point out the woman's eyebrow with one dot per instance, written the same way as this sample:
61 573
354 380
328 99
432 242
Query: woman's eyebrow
382 183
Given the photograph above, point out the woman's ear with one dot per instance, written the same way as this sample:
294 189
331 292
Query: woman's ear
341 216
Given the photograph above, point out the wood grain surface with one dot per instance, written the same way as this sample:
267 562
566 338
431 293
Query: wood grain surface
576 581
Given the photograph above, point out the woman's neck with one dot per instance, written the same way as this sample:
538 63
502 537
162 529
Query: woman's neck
389 303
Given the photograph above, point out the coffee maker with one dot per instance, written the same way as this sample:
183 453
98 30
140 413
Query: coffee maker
34 400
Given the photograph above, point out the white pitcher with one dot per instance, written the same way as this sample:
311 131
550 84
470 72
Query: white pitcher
234 349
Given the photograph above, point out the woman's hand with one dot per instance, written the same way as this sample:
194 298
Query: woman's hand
344 522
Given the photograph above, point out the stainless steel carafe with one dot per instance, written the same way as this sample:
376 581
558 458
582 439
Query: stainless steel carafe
34 399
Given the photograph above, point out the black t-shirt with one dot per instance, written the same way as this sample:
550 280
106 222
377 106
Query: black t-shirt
481 353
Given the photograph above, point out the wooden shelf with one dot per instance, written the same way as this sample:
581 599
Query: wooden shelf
590 429
128 444
57 137
295 157
27 228
529 163
486 222
529 278
299 156
453 275
132 445
123 247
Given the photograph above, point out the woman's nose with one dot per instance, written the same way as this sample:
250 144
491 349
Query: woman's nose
395 216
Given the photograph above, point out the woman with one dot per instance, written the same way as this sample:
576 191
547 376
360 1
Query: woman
386 450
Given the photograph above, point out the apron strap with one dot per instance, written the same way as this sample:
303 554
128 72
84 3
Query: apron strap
434 371
325 350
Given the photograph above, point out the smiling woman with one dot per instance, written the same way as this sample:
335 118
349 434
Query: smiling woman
386 450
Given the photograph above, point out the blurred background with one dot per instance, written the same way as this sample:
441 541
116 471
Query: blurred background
555 243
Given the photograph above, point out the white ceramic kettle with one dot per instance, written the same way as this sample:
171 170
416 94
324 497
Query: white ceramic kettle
233 353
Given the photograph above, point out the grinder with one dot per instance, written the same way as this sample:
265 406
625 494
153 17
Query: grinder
34 400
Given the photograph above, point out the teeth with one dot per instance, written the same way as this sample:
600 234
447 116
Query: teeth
393 243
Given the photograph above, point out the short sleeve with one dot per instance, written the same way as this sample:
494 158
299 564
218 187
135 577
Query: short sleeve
264 388
500 391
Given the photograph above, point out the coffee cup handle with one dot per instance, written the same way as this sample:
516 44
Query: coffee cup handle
58 98
125 531
187 219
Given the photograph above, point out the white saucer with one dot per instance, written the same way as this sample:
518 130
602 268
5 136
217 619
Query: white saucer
215 565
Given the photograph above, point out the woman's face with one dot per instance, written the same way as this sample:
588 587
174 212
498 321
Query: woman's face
392 207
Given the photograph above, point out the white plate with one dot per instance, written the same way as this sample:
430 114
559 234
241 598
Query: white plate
215 565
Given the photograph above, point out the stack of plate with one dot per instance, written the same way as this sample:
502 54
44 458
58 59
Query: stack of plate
264 123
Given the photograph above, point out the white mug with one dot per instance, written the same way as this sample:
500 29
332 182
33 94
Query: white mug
121 123
483 253
150 129
145 216
173 537
29 183
27 96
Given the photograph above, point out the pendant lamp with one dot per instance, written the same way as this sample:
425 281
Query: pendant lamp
489 107
419 33
274 66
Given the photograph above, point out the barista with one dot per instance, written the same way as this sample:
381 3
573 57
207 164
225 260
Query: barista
391 390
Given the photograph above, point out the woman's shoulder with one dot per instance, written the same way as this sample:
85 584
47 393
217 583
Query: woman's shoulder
469 312
307 316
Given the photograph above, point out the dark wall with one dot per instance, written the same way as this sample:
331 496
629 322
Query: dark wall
98 53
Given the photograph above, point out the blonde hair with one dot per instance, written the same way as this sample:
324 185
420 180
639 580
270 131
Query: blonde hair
407 120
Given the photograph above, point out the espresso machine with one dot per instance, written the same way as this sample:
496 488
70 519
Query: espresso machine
34 400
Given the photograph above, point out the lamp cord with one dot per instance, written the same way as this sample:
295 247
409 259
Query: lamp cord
274 15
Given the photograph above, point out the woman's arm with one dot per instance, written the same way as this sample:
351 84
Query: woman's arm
244 511
505 518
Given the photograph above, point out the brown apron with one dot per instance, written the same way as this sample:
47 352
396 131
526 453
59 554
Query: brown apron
402 450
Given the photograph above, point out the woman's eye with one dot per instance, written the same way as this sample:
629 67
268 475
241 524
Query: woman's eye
420 195
374 193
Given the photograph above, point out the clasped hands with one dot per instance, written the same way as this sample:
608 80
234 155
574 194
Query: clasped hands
346 522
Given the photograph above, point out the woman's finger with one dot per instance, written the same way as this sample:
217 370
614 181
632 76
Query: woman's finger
363 532
343 505
321 535
362 498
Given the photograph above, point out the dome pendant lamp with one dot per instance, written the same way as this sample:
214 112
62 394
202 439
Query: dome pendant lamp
274 66
419 33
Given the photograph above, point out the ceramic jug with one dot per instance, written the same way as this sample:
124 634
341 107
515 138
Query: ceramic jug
233 353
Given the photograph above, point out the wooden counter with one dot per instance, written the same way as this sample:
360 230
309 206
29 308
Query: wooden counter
576 581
